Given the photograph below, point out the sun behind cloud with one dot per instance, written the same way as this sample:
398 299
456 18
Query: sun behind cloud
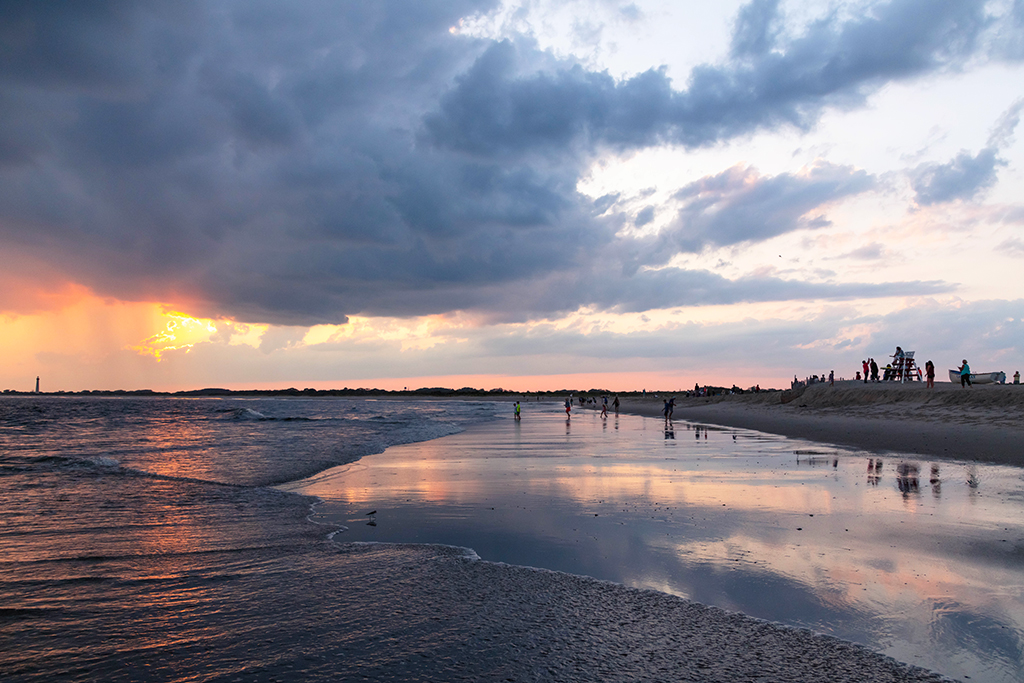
181 333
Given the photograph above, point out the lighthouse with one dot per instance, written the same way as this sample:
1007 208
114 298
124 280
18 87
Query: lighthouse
37 385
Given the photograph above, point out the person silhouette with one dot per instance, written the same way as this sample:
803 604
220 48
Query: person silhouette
965 374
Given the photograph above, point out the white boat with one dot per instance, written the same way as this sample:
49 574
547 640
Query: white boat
980 377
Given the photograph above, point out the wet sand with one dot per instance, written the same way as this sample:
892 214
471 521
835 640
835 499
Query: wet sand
984 423
914 558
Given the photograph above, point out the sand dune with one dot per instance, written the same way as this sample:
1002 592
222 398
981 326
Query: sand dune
847 394
980 423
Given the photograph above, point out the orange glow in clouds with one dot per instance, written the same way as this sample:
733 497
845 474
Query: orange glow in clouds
83 341
181 332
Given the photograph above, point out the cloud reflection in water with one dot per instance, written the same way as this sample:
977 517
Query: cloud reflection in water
863 547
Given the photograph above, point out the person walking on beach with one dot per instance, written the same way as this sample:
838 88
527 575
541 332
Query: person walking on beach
874 369
518 411
1016 377
615 404
965 374
604 406
929 373
831 378
568 407
866 368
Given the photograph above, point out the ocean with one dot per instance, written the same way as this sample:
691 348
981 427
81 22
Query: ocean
155 540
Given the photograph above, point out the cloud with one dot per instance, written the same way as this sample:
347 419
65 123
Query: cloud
746 350
1002 133
644 216
671 287
1008 35
300 163
964 177
869 252
988 332
277 338
1014 246
932 329
739 205
756 29
512 102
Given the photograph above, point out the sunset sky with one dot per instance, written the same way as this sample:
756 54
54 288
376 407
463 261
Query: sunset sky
532 195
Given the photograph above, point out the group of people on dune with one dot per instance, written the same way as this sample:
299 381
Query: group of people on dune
902 368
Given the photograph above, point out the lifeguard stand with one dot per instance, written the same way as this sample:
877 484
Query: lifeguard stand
906 369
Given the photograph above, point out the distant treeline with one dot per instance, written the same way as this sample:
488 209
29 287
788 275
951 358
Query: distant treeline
361 391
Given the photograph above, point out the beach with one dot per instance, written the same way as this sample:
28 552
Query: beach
913 557
984 423
142 541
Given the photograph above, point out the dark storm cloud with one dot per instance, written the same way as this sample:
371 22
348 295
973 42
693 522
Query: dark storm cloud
296 163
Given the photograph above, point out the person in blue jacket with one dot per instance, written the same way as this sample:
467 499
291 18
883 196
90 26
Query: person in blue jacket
965 374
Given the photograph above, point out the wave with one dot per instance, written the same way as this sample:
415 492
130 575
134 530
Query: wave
255 415
11 465
242 414
250 443
21 463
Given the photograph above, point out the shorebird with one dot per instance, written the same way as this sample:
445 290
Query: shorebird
372 518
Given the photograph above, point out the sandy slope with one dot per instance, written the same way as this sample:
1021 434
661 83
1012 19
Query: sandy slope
981 423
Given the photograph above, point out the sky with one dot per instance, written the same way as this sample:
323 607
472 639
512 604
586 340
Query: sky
532 195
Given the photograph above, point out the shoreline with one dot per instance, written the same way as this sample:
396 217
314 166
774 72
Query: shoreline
755 508
984 423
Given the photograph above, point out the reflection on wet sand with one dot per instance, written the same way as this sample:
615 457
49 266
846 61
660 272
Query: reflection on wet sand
906 478
874 471
782 530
